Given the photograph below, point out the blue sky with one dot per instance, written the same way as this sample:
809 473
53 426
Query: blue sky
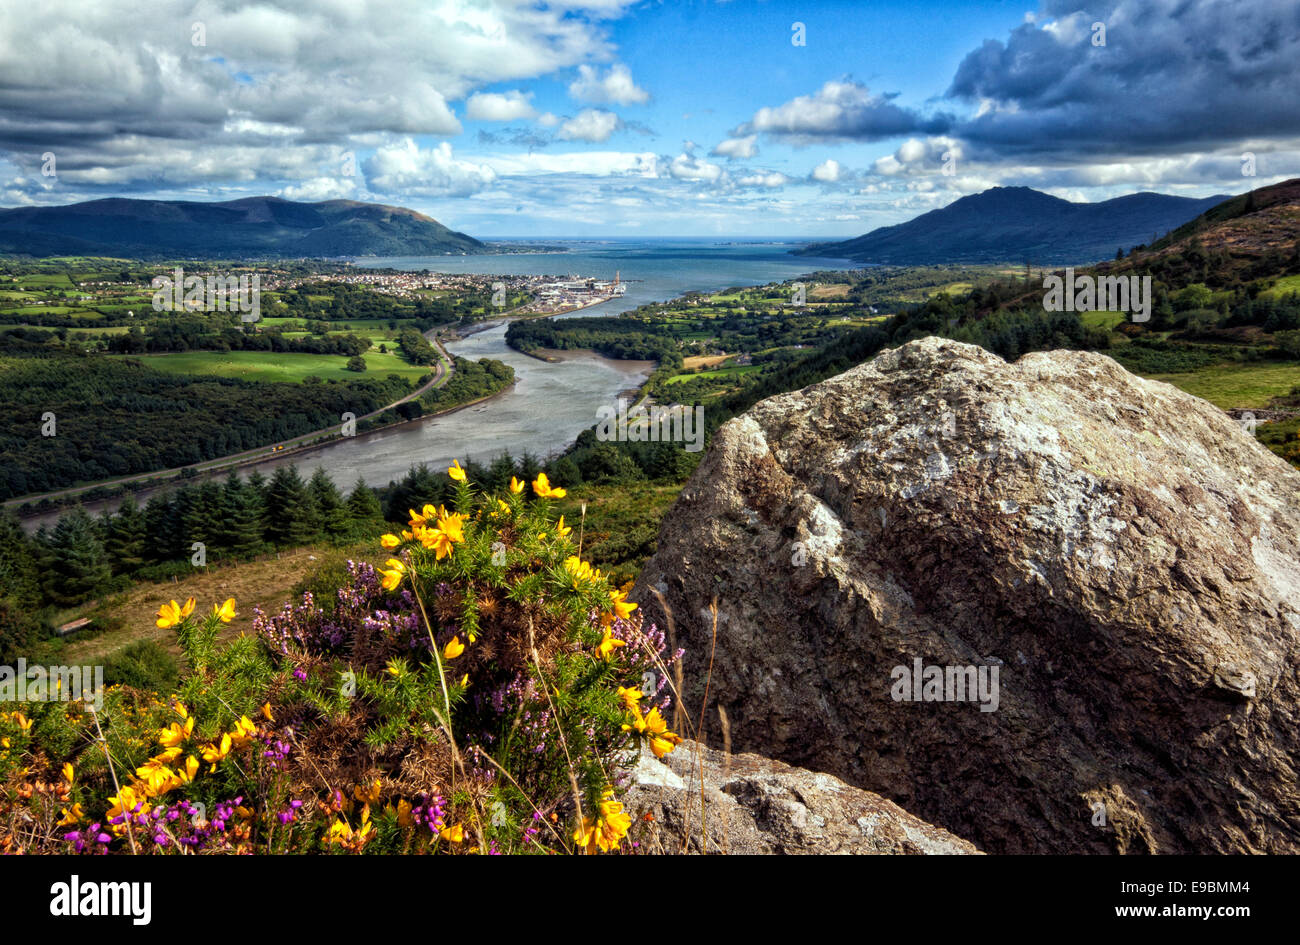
607 118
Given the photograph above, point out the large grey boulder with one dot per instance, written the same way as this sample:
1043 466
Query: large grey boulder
1118 556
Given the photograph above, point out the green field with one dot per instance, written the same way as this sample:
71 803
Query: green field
719 372
1284 286
1238 385
1108 320
270 366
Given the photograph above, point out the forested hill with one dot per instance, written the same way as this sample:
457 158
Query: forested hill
1017 224
251 227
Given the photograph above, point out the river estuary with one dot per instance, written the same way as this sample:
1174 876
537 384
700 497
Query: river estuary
551 403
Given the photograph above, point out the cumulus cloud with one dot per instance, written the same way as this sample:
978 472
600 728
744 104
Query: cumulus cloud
404 167
1171 76
688 167
769 180
917 156
744 147
499 106
320 188
593 125
615 87
841 110
80 80
828 171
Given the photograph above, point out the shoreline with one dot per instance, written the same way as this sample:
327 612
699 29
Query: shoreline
485 325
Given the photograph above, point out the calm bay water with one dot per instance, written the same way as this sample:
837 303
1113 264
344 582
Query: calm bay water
655 270
550 404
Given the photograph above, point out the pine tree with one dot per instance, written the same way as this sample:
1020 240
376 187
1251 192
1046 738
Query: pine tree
499 473
18 565
335 521
77 564
202 521
242 512
126 538
364 507
290 513
418 488
158 519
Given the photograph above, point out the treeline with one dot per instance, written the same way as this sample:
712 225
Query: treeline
612 337
415 347
340 300
83 557
470 380
194 334
115 417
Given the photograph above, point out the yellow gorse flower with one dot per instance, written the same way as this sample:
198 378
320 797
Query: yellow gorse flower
392 577
174 735
71 815
126 801
216 752
516 486
453 648
454 834
631 698
580 572
542 486
244 730
455 471
68 772
561 529
607 829
449 530
172 613
608 643
389 541
622 606
225 612
653 726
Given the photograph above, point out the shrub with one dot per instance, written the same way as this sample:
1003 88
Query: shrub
143 665
485 691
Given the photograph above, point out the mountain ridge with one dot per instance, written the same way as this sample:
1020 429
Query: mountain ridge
260 226
1015 224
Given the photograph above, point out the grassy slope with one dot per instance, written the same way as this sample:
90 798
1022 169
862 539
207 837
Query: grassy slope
272 366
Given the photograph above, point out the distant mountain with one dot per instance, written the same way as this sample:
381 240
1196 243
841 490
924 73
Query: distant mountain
1017 224
251 227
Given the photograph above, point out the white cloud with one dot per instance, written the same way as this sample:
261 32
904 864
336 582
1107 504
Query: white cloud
764 179
590 124
275 76
576 163
744 147
321 188
615 87
499 106
916 156
406 169
838 111
828 171
689 167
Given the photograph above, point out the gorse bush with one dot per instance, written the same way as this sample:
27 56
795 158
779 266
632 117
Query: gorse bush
485 691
